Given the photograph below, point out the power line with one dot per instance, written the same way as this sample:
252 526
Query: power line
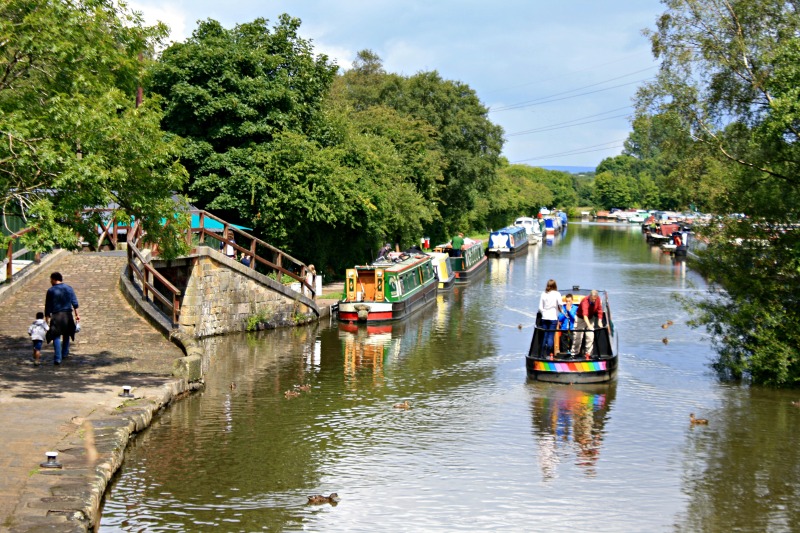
584 150
555 78
541 101
511 106
571 123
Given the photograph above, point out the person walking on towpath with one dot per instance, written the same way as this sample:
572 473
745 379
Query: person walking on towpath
38 332
590 314
58 305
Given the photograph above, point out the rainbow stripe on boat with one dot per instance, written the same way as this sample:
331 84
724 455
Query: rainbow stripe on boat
577 366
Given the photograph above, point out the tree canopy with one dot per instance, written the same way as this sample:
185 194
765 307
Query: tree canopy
73 137
723 118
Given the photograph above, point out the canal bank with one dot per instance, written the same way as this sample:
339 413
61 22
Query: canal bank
76 409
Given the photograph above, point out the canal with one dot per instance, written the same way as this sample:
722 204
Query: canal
480 448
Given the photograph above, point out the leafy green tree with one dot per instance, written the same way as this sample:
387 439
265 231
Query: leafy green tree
74 138
469 141
729 80
612 190
515 192
230 93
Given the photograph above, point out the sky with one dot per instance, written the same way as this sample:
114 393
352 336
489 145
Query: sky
558 76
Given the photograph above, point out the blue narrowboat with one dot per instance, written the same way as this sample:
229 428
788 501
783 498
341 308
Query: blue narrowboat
508 242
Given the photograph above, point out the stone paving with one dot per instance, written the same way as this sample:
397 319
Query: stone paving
73 408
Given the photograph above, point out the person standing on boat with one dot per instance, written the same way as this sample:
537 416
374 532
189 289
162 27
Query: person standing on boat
457 244
566 323
549 307
590 313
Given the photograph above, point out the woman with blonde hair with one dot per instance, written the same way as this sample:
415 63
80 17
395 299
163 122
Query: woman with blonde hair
549 307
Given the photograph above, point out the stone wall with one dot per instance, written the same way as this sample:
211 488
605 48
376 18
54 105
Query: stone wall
221 296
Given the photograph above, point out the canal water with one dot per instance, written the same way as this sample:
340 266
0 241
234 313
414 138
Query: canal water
480 448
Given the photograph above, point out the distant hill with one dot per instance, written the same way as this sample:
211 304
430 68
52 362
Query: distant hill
571 170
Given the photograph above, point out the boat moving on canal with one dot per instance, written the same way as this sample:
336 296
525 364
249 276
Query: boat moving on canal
509 241
561 366
389 289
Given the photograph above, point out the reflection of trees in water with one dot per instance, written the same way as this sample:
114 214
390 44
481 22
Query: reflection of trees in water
570 419
742 471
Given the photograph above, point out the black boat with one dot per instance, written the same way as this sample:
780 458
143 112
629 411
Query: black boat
562 366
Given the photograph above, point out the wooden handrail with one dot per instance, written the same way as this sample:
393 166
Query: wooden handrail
251 253
146 274
10 255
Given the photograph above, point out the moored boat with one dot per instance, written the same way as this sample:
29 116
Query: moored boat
508 241
389 289
561 366
532 228
445 275
467 264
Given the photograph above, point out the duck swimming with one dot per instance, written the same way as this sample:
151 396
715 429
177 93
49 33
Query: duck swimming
404 405
319 499
291 394
305 387
697 421
665 340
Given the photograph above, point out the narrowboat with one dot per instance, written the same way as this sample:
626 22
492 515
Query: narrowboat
468 264
509 241
445 274
389 289
561 366
552 225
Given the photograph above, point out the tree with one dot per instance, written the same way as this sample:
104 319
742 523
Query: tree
728 80
73 137
230 93
517 191
612 190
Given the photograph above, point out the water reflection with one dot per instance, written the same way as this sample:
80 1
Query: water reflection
570 420
741 471
481 449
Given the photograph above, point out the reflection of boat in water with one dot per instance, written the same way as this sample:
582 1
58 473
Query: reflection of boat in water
571 419
561 367
365 346
371 346
391 288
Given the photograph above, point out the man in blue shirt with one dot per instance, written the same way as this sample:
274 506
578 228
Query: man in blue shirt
58 305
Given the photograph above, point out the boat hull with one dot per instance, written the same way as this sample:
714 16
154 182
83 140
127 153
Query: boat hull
508 252
377 312
465 276
572 371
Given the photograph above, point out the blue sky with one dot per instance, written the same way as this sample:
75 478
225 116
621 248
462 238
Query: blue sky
557 76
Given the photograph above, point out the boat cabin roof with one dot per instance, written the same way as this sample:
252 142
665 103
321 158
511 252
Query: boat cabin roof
396 262
510 229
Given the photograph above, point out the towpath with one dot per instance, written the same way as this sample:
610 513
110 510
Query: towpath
45 408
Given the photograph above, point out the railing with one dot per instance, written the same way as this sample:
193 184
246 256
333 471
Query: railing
139 267
11 254
257 252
